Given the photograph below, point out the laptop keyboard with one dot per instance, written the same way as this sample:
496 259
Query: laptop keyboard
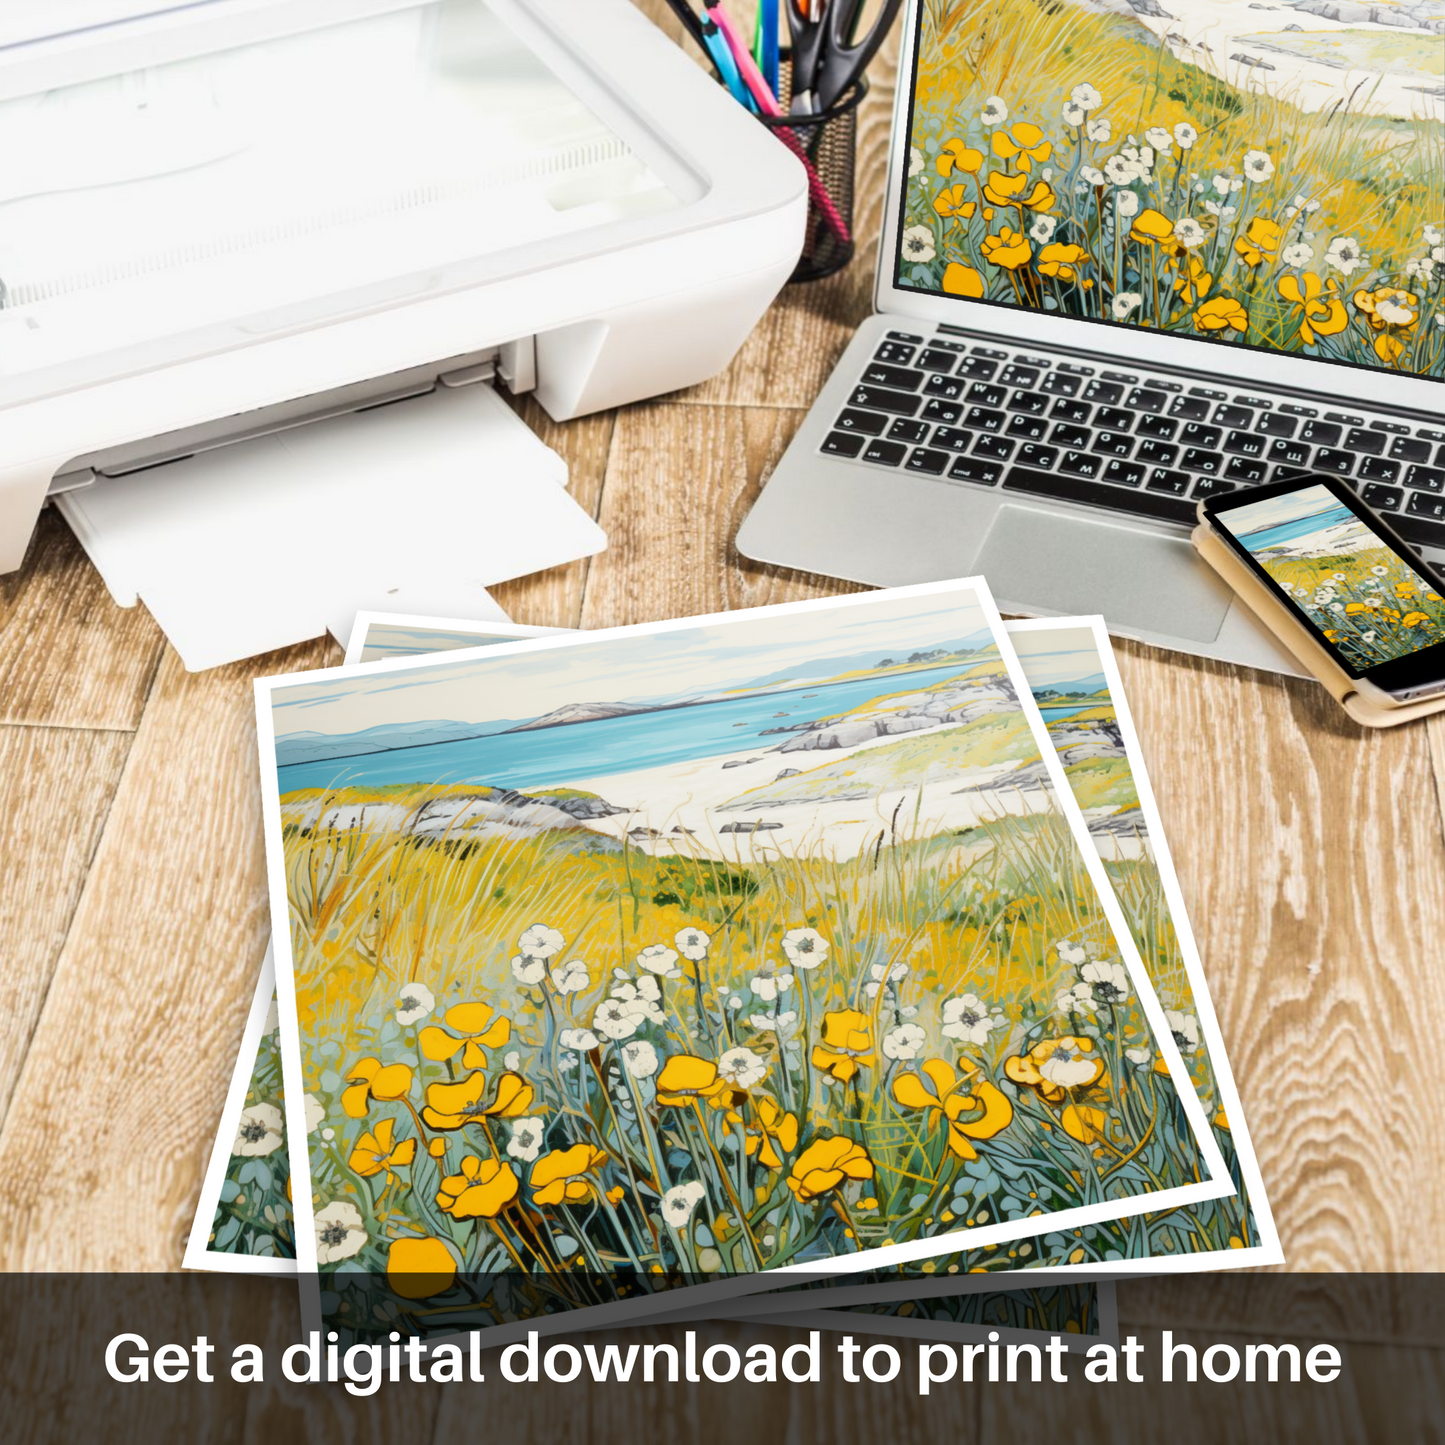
1139 443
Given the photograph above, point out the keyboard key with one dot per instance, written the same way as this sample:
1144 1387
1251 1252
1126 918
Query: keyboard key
1195 435
1099 494
1114 418
1291 409
1070 436
924 459
1213 486
984 395
1123 474
980 418
1425 479
933 359
1234 416
1159 427
994 448
1112 444
877 398
948 387
1395 428
1016 375
887 454
971 469
978 367
1189 408
1245 444
952 438
944 411
1329 459
1344 418
1143 399
1156 454
867 422
959 347
1322 433
1076 411
1060 383
1035 403
905 336
1032 455
877 374
1381 498
1421 504
1163 480
1410 449
1031 428
980 350
1368 443
1272 424
843 444
1242 469
1418 531
1081 464
1196 459
904 429
895 353
1377 469
1209 393
1289 453
1107 392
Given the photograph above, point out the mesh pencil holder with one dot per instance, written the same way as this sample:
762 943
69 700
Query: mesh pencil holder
827 145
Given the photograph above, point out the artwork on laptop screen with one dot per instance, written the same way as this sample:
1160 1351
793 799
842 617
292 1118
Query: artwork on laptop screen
1261 175
1365 599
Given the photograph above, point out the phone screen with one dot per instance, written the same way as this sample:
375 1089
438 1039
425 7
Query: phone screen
1364 596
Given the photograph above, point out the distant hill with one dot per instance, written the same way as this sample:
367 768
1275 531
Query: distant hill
1074 687
313 747
823 667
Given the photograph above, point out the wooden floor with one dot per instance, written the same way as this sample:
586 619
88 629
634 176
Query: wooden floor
132 903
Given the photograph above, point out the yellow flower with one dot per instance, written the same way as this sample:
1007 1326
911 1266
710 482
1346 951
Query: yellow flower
685 1077
1152 227
776 1134
1353 607
450 1106
1006 190
1220 314
1193 281
847 1042
1389 307
1221 1120
1086 1124
419 1268
483 1189
949 1094
1260 240
560 1176
1054 1066
1008 249
369 1080
953 201
825 1164
1063 262
1322 313
479 1027
1404 589
1414 619
1024 142
958 156
375 1151
961 280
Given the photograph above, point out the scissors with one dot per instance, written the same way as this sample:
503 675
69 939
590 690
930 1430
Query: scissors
828 56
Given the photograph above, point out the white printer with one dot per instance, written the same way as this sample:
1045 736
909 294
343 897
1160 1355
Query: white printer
224 220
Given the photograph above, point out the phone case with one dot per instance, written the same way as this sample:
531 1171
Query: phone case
1313 654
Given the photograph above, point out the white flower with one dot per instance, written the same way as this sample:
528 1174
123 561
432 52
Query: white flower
1119 170
527 1138
917 244
769 982
904 1042
1137 1056
1344 255
414 1002
1074 114
1076 1000
692 943
571 977
614 1019
640 1000
1068 1067
1185 1028
1159 138
1379 571
1072 954
1188 232
994 111
1297 255
661 960
1185 135
967 1020
1100 131
1390 310
1124 303
1421 270
1141 158
1437 255
884 975
742 1068
1431 235
528 970
542 942
1086 97
1092 174
512 1060
915 160
805 947
1258 166
1223 212
315 1113
679 1202
579 1040
1042 229
781 1024
339 1232
640 1059
1303 203
1109 981
1225 184
1126 203
261 1130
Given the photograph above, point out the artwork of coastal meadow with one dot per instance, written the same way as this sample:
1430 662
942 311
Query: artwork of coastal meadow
1261 172
1366 600
740 962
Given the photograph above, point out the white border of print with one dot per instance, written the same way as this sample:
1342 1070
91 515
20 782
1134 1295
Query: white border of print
1215 1185
490 627
199 1254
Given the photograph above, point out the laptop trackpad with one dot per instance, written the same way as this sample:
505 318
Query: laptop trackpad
1070 564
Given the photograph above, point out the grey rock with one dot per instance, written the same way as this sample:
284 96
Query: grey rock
1029 778
752 826
740 762
789 773
1250 61
1128 824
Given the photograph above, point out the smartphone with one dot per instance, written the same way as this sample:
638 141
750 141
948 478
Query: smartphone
1341 570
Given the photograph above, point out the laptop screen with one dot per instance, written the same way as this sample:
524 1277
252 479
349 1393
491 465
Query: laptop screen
1266 176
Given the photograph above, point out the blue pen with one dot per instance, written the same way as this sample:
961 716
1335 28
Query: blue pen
768 29
727 67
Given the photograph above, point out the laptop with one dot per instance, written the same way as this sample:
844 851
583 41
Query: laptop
1130 261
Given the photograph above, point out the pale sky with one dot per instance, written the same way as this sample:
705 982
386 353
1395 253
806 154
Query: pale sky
1056 656
682 659
1276 511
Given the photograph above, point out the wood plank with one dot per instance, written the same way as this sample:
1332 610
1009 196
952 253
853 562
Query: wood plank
679 482
123 1084
56 786
69 657
1311 857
